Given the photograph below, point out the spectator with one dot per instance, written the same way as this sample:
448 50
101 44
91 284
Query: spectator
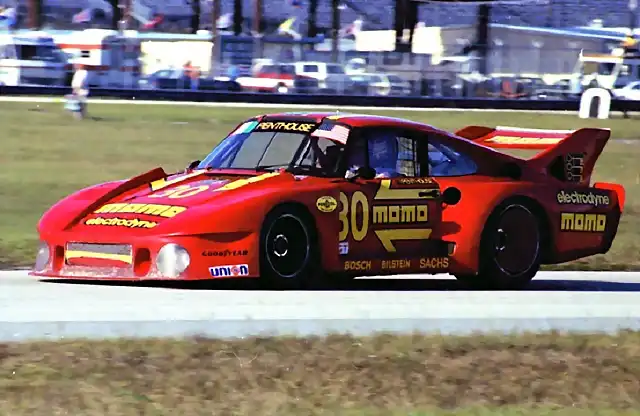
77 100
192 74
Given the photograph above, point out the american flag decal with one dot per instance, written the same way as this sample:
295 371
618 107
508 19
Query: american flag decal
332 132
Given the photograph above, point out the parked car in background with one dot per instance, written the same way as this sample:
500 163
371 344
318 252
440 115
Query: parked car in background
175 79
281 78
381 84
331 77
631 91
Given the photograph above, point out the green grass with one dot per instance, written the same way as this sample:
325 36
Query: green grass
46 155
542 374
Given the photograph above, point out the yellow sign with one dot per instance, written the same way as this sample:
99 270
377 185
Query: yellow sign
434 263
326 204
286 126
571 221
121 222
396 264
167 211
358 265
524 140
398 214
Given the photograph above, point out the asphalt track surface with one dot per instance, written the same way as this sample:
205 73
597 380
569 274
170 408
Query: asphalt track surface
573 301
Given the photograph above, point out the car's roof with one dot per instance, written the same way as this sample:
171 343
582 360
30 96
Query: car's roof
355 120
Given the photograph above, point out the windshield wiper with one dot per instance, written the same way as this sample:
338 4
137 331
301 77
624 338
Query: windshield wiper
311 170
270 167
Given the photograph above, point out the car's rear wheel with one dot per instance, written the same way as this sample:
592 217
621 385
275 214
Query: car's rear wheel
510 248
288 249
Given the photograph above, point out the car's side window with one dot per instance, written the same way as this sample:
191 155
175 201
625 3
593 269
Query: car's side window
389 151
445 161
407 157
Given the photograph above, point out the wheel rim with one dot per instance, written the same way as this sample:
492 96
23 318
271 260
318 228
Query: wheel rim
287 245
516 240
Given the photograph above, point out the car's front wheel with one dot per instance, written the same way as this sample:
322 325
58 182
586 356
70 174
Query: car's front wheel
288 249
510 248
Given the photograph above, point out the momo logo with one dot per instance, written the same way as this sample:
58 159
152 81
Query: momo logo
595 223
234 270
396 214
582 198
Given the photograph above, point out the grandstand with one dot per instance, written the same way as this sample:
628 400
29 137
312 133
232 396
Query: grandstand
378 14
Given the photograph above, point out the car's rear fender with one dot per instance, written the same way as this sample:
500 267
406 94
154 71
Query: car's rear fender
464 222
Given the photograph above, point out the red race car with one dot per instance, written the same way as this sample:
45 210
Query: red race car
299 198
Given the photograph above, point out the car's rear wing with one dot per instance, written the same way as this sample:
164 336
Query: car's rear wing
502 137
569 155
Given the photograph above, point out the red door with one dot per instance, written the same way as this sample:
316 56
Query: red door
387 225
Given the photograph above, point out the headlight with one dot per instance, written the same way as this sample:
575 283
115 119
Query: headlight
172 260
42 257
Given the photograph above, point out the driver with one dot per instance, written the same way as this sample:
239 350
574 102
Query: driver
383 155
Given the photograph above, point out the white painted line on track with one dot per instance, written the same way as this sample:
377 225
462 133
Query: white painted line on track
44 100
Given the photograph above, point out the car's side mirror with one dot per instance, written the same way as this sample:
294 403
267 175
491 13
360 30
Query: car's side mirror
193 165
365 172
451 196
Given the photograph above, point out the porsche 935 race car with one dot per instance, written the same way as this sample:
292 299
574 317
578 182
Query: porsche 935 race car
298 198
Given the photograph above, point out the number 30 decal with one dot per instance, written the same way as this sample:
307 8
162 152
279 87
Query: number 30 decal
182 191
349 219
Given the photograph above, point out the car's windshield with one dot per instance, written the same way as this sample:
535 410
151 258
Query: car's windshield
297 146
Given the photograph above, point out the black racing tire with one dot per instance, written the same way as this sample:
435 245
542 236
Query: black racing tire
510 248
289 253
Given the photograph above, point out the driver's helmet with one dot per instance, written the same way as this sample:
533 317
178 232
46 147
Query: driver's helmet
383 153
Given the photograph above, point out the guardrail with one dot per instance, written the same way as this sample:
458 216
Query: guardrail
318 99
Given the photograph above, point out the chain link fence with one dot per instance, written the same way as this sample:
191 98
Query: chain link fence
535 50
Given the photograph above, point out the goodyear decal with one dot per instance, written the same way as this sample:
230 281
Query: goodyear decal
286 126
592 223
158 210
